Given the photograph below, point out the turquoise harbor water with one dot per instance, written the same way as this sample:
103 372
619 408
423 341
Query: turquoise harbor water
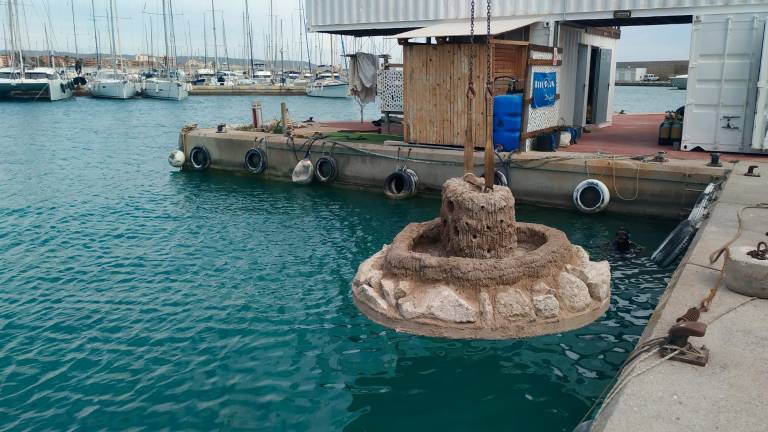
136 297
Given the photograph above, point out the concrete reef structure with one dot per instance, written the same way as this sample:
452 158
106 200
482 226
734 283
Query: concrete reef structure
475 273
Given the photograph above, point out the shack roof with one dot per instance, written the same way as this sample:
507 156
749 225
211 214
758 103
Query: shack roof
461 28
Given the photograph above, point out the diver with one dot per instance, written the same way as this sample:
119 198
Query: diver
623 243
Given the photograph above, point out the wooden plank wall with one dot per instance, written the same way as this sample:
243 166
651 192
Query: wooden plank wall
435 79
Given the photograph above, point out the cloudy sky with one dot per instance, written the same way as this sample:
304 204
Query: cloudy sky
638 43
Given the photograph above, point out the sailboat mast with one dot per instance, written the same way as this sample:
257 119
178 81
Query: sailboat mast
215 40
95 35
282 58
250 35
165 32
205 41
112 32
224 37
74 27
119 46
151 43
271 37
172 31
306 35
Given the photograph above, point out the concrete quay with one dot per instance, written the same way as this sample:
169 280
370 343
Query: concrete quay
666 189
729 394
246 90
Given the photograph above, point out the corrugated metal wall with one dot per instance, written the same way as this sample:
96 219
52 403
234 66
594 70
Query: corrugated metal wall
406 13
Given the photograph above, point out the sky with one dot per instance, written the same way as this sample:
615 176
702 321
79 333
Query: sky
638 43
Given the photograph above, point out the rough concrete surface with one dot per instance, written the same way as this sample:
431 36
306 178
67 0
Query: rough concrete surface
477 273
730 393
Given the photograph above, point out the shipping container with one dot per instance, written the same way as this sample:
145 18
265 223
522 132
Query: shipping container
370 16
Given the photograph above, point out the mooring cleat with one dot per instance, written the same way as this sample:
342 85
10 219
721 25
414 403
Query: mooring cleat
680 349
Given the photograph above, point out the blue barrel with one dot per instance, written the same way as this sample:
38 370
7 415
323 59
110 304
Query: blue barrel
507 121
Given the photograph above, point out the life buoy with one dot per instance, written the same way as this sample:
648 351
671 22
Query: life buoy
256 161
199 158
591 196
675 244
401 184
326 169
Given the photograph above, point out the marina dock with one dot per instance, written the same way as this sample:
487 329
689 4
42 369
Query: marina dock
666 189
246 91
729 393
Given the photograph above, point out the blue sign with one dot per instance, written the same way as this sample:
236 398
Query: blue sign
544 89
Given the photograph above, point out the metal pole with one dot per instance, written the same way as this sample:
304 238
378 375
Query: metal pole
215 40
74 27
96 36
165 34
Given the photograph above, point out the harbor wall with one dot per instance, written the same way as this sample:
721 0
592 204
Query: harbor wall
545 179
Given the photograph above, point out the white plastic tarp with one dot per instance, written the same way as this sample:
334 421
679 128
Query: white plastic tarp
363 74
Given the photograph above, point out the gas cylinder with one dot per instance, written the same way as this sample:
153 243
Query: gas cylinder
665 131
676 131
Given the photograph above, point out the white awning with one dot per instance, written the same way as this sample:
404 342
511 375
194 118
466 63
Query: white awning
461 28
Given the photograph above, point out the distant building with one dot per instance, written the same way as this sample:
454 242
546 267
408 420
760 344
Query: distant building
144 58
4 61
630 74
663 69
194 64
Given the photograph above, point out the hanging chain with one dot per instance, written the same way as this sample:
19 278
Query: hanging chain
488 79
471 83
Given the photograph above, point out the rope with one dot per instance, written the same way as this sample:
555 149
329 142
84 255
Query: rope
731 310
724 251
184 132
624 381
637 182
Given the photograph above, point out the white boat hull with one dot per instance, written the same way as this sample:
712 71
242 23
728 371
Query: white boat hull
51 90
113 89
166 89
328 90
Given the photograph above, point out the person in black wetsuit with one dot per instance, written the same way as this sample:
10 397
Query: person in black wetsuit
622 242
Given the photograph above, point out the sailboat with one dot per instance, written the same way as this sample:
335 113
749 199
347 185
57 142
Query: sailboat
114 83
18 82
169 84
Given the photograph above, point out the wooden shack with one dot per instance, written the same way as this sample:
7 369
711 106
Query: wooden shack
435 82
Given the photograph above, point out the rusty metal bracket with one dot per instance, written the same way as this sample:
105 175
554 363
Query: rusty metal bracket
761 253
677 345
752 171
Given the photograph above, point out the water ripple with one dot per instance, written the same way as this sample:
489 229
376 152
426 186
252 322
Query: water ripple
135 297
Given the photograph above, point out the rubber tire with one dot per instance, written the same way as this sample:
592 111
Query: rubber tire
260 166
332 166
206 161
399 178
674 245
499 178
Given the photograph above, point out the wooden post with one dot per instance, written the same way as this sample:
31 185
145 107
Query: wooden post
284 117
256 114
469 143
488 159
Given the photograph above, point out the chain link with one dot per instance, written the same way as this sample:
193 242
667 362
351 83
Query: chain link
471 83
488 79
